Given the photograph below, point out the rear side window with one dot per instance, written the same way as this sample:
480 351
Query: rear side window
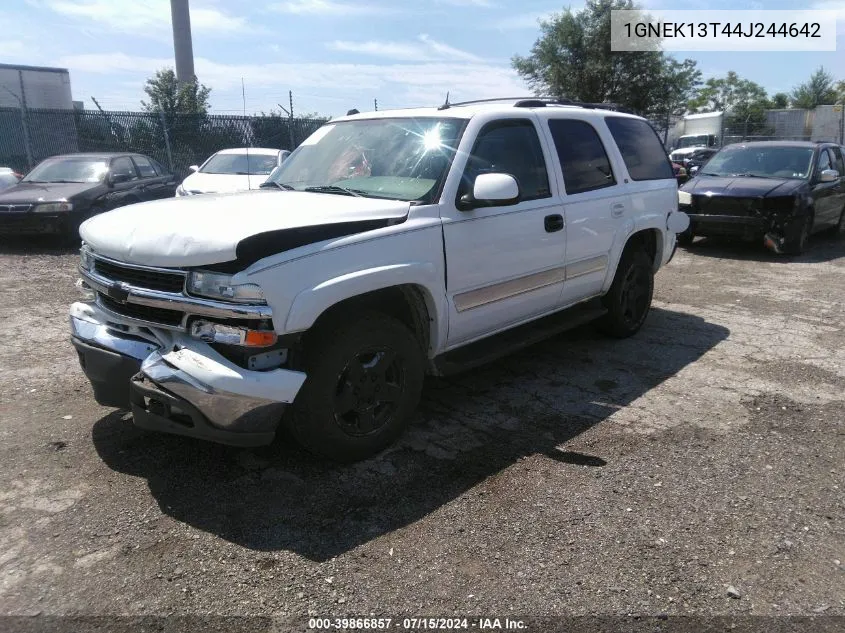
159 168
123 165
583 158
145 167
641 150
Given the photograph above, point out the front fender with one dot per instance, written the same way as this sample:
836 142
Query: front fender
310 303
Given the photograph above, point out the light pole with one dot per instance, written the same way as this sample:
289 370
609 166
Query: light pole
180 15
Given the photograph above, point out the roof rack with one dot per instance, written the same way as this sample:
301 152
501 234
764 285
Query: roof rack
535 102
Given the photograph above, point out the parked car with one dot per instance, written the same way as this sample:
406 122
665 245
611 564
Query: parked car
8 177
680 172
238 169
699 157
326 295
63 191
776 191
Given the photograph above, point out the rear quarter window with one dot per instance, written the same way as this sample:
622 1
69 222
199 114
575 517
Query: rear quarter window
641 149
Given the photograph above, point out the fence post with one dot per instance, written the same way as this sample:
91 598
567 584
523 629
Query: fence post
27 141
166 138
290 125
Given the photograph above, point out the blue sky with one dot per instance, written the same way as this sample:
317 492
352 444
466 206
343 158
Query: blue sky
335 54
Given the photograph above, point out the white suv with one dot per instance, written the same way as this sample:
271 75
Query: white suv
387 246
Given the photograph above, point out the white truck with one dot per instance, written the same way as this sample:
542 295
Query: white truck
697 131
389 245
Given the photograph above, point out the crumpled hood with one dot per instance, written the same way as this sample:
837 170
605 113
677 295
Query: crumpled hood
222 183
741 186
206 229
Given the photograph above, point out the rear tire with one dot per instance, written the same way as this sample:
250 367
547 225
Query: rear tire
365 376
629 299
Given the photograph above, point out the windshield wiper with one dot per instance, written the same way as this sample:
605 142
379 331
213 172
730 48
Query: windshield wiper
334 189
279 185
60 181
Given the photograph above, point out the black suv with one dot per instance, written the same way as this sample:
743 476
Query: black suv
63 191
779 192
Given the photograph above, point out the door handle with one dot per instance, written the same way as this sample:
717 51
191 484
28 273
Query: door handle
553 223
617 210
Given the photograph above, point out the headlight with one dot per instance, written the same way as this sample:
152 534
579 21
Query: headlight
86 261
219 286
211 332
53 207
684 198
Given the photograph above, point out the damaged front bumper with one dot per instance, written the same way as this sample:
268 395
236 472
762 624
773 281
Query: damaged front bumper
176 384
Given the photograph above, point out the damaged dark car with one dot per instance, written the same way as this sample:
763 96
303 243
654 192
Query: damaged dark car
776 192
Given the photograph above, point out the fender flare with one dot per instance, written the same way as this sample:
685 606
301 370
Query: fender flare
310 303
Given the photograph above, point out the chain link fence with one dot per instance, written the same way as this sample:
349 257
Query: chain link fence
178 141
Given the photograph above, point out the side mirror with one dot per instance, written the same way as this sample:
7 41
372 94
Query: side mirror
115 179
829 175
491 190
194 168
694 170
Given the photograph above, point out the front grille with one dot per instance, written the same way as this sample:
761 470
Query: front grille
143 313
723 205
15 208
140 277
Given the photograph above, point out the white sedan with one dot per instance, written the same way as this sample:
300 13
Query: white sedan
237 169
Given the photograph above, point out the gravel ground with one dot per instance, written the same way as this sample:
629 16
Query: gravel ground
696 469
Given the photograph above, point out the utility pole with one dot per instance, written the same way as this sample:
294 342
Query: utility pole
180 15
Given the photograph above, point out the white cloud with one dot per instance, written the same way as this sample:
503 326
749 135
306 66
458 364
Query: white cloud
148 17
838 6
13 49
468 3
521 22
425 49
401 84
329 8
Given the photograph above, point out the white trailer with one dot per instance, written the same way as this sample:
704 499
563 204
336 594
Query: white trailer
695 131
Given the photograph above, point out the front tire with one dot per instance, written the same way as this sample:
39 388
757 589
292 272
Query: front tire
798 244
365 376
629 299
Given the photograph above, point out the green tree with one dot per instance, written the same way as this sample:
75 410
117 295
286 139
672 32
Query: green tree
728 93
174 97
780 101
817 90
743 101
572 58
840 92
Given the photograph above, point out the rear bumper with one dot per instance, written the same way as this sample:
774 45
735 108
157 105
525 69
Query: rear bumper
180 385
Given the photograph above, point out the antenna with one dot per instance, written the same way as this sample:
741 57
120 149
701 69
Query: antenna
445 105
248 139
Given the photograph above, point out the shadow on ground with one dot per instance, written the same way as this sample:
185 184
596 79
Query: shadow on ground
823 247
470 428
38 245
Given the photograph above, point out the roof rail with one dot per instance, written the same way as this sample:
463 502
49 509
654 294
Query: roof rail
447 105
535 102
